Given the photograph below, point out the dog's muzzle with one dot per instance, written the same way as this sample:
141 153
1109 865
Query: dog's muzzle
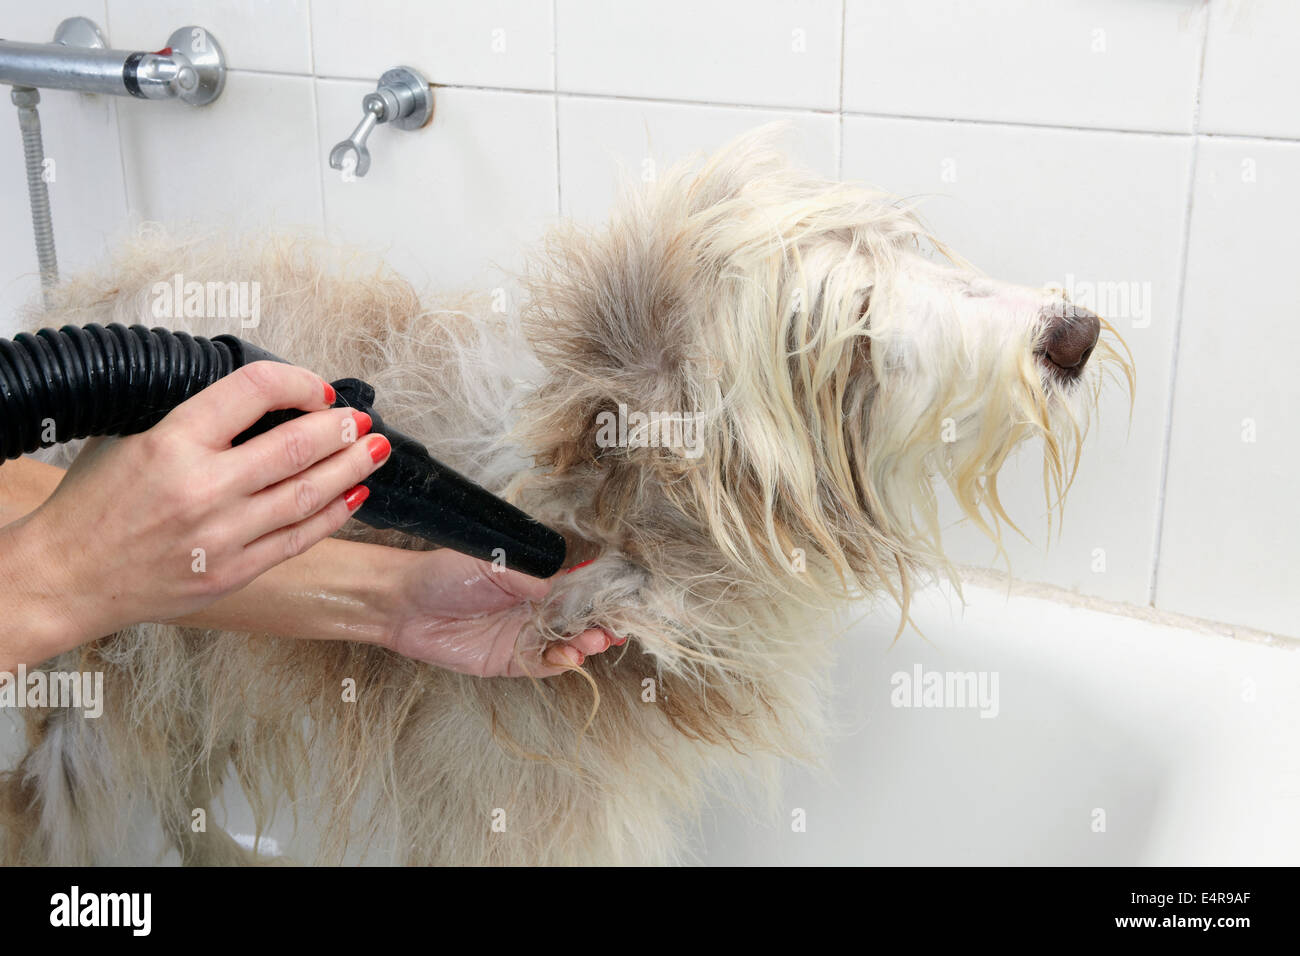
1070 334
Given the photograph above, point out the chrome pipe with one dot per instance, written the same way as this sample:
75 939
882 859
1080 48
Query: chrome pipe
190 68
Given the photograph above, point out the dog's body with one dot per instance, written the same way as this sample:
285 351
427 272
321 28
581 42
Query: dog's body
833 371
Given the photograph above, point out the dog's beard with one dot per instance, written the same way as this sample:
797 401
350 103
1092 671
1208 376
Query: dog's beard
958 424
864 417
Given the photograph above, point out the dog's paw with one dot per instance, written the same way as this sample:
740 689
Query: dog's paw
594 595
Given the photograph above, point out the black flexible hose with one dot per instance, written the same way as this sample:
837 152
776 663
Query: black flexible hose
58 386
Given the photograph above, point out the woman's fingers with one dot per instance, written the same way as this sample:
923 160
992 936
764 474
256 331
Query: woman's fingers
559 657
288 542
594 641
299 497
523 587
565 655
231 404
293 447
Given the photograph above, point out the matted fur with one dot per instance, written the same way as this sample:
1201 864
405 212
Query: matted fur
837 370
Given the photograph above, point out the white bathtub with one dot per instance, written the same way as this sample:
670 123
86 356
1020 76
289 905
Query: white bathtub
1188 742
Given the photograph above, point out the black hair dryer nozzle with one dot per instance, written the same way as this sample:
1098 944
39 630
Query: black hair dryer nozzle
414 493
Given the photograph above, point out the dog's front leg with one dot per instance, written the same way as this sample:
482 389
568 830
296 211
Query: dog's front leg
598 594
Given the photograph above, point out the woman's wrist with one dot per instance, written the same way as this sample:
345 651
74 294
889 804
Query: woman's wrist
48 610
55 599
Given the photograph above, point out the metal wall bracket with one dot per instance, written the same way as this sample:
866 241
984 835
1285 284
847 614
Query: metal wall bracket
402 99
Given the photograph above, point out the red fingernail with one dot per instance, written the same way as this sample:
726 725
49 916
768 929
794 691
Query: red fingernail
619 641
363 422
354 497
581 657
379 448
329 394
580 564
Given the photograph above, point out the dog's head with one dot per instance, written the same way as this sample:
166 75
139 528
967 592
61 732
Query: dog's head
775 368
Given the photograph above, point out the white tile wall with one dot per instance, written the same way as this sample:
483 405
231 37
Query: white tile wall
248 160
608 144
1232 514
499 43
452 205
36 22
268 35
1005 113
1115 64
763 52
1252 72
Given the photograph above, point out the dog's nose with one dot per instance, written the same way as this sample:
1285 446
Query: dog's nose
1070 335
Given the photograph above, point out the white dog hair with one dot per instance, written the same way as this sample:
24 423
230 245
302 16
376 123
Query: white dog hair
838 367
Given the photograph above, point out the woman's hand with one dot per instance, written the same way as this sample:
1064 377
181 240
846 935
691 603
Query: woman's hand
465 615
157 525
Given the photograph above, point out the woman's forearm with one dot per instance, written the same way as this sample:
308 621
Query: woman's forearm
25 483
45 612
337 590
36 623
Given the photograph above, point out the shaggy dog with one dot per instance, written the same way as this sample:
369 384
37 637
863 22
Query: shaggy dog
819 369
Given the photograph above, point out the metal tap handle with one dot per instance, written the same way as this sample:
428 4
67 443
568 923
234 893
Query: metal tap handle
356 143
402 98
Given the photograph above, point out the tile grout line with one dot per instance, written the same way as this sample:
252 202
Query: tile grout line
807 110
1179 303
811 111
555 101
121 151
311 36
316 117
839 125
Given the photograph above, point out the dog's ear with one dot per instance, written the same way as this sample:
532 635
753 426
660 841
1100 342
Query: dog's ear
613 321
738 293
